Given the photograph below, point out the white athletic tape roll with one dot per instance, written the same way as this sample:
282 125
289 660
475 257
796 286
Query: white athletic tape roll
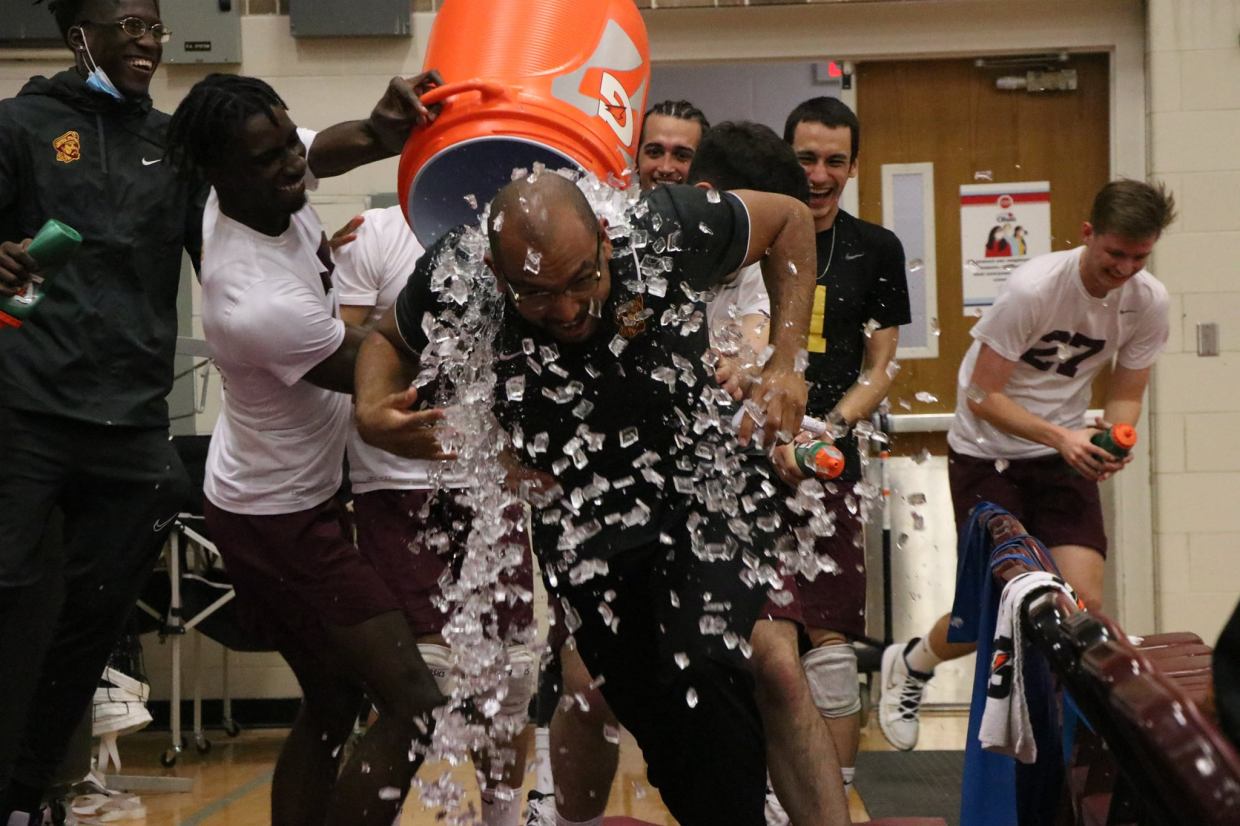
833 681
522 680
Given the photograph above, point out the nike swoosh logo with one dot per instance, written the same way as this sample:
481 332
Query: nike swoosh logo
853 256
145 162
159 526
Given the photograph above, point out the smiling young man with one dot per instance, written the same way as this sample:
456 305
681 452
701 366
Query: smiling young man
642 509
272 319
83 416
671 132
1019 437
860 301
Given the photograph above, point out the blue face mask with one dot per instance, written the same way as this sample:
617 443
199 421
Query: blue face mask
98 79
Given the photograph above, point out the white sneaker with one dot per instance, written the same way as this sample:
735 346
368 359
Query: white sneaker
775 814
540 809
900 699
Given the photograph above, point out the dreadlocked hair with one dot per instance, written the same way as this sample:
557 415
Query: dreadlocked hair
211 115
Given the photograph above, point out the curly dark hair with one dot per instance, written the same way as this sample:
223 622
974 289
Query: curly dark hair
747 155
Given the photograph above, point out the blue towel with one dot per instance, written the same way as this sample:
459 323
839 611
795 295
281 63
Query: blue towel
998 791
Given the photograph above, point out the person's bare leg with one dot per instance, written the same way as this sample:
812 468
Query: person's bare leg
800 753
500 776
383 655
1083 568
304 777
583 760
944 650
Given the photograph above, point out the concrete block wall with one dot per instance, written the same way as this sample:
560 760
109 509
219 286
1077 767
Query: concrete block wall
1193 74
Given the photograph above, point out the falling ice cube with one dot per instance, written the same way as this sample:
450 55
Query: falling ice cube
628 436
713 196
706 230
915 266
389 793
472 200
691 698
515 388
917 499
922 456
893 367
533 261
934 327
925 398
617 345
712 625
801 361
1001 465
870 327
975 394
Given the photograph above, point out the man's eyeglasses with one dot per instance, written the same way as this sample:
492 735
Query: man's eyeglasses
539 301
136 28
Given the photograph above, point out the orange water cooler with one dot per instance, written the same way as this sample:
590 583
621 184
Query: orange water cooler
557 82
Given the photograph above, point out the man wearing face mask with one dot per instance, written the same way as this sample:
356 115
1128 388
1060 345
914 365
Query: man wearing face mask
83 417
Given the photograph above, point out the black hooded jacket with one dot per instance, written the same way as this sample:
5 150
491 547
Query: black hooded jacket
100 346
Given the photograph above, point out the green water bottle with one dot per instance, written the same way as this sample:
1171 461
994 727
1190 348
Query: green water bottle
821 459
51 247
1117 441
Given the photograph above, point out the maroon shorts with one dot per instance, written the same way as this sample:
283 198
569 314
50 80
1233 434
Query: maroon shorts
1056 505
789 610
295 572
833 600
412 536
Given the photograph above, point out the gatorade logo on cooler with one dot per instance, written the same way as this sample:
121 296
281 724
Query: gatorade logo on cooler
616 58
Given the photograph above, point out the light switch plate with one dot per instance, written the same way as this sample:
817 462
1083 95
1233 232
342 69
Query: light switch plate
1207 339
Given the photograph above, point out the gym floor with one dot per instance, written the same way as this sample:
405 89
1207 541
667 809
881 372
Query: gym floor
232 781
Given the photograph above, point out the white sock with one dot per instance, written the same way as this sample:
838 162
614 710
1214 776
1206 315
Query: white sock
919 656
544 783
499 812
848 772
561 820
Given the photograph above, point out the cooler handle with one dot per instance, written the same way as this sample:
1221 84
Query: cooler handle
487 88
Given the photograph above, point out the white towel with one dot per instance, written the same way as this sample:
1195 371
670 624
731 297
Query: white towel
1005 727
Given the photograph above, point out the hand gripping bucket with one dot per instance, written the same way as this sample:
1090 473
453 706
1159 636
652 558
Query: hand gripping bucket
557 82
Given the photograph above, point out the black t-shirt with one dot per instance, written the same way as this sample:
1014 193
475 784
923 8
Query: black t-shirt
612 418
861 280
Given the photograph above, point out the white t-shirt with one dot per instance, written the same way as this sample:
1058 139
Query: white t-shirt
370 272
747 292
278 444
1060 337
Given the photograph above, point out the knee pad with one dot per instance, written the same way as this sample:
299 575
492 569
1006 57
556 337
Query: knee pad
522 680
438 659
832 674
522 674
